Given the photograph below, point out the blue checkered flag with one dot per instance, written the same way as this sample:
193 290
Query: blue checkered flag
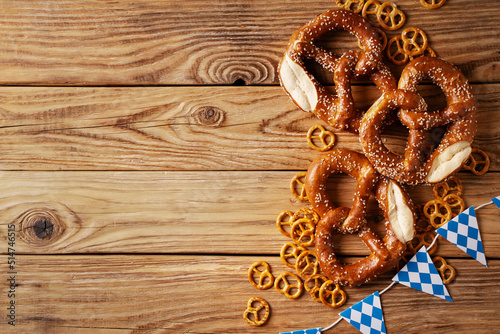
366 315
305 331
421 274
463 232
496 200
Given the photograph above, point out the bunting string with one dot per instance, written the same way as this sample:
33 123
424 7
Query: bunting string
419 273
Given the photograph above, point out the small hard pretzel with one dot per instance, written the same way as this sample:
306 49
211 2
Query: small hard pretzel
477 166
332 295
327 138
284 222
391 197
389 16
447 272
395 51
423 239
369 10
297 186
456 204
452 185
307 264
306 213
460 116
432 4
282 284
263 275
423 224
302 232
414 41
427 52
313 284
405 258
306 91
290 251
353 5
256 315
438 212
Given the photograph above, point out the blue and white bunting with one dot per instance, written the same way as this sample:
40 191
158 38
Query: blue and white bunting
463 232
496 200
366 315
305 331
421 274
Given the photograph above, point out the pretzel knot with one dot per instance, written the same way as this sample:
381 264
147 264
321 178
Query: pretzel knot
305 90
392 199
416 166
257 311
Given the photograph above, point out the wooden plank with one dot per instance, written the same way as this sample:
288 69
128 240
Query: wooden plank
85 42
208 294
225 212
184 128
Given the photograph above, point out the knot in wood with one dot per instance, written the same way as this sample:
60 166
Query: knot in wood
40 226
210 116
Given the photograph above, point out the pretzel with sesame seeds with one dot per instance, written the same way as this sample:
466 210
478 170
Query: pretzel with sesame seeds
347 162
304 89
418 165
402 168
396 204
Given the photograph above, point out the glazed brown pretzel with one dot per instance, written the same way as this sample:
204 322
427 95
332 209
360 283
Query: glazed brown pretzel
460 116
301 86
347 162
459 96
402 168
393 200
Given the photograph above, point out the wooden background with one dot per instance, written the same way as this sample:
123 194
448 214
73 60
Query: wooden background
147 148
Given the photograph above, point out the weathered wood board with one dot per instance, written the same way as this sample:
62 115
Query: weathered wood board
147 149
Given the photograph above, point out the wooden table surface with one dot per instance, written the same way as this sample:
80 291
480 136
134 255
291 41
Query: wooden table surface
147 148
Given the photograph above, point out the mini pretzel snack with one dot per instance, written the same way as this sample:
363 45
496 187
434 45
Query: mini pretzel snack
384 180
265 279
257 311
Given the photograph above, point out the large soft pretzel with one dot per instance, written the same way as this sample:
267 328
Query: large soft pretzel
347 162
460 117
305 90
395 203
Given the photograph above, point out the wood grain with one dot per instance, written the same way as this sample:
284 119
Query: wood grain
142 183
184 128
86 42
208 294
186 212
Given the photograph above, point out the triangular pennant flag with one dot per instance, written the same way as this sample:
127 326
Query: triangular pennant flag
305 331
496 200
463 232
421 274
366 315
